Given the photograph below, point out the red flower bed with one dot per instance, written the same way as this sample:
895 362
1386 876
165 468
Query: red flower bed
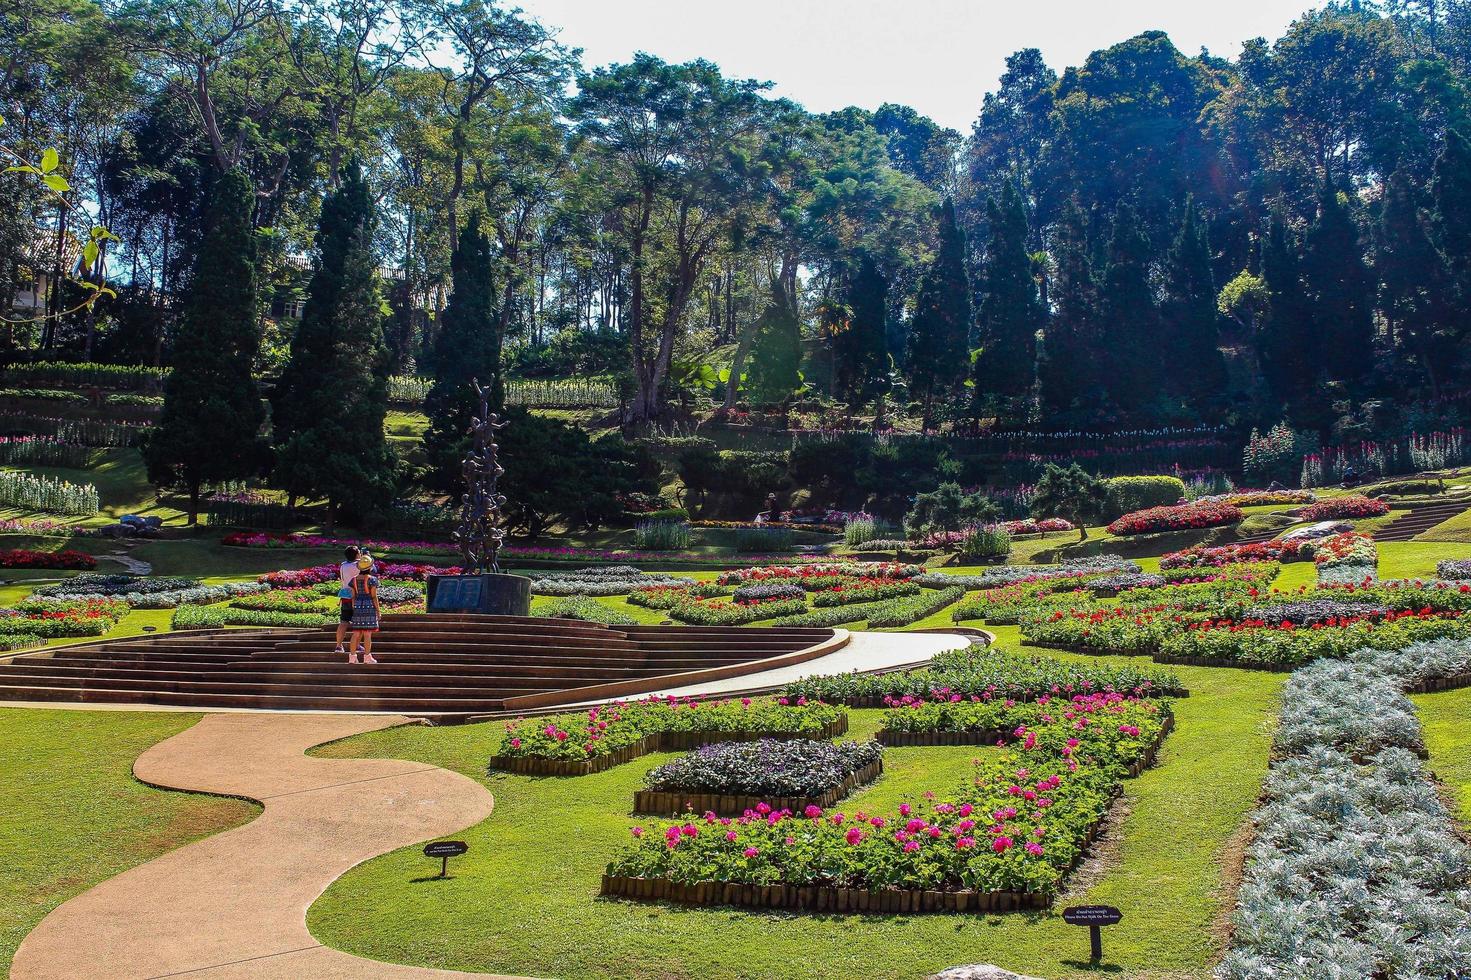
22 558
1336 508
1230 554
1180 517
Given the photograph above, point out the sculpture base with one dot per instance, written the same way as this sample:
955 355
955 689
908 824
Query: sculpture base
489 594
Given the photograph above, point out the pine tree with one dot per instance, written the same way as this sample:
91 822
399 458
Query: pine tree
1011 309
776 350
860 348
1130 348
1415 285
1189 318
1288 345
1066 364
939 334
1451 219
333 394
1340 291
468 348
210 427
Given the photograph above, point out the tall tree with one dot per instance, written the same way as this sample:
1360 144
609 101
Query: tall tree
939 334
329 405
1067 364
1288 344
1131 368
1415 288
1340 290
467 349
1451 220
776 351
210 427
859 347
1011 306
1190 317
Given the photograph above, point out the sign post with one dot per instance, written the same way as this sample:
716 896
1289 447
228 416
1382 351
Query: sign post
1094 917
444 850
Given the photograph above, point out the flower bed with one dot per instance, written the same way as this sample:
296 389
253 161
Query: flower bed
1180 517
1278 647
56 496
1349 550
1230 554
862 590
608 735
216 617
728 612
738 777
59 618
763 591
296 578
146 593
1107 586
1259 498
1344 508
667 596
10 642
814 527
1454 568
983 674
606 581
820 575
1007 574
1005 843
584 608
880 614
24 558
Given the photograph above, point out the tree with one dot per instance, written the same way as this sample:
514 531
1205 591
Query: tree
333 394
1067 364
1289 347
467 349
1340 292
1130 349
948 508
1011 308
1190 317
1073 494
858 338
1415 287
776 351
1451 220
210 427
939 334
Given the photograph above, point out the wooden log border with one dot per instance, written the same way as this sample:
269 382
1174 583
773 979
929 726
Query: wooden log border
1433 684
665 803
527 765
827 898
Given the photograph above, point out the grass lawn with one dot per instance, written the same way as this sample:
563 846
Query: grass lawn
524 899
74 814
1458 529
1443 716
122 486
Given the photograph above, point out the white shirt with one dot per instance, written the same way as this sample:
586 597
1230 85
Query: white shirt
346 572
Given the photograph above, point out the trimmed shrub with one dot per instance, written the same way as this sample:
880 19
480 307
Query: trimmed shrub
1124 494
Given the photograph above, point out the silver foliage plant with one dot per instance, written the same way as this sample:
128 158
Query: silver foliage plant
1356 871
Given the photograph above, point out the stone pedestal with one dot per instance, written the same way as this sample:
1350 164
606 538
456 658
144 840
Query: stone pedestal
489 594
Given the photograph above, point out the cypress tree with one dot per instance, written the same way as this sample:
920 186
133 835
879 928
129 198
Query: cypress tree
776 350
210 427
333 395
1415 289
1130 349
860 350
467 348
1340 291
1011 308
1451 189
1066 364
939 334
1189 318
1287 345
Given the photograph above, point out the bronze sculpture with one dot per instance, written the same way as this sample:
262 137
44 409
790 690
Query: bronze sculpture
479 533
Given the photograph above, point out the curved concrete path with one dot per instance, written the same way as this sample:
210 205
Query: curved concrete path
234 905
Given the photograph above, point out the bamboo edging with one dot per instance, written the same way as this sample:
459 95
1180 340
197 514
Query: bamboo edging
664 803
527 765
830 898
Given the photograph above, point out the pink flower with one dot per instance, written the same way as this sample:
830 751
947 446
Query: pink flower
730 835
1034 849
812 812
903 809
1001 844
750 852
911 847
515 743
638 831
964 843
853 836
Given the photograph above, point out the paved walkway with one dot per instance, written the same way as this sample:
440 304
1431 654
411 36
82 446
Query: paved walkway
234 905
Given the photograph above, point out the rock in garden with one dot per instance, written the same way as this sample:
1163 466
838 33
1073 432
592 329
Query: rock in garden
980 971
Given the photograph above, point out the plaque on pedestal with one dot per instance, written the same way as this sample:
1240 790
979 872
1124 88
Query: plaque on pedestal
490 594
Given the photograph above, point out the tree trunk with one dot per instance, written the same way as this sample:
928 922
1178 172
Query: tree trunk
193 502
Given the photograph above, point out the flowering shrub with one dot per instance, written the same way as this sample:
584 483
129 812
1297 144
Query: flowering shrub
23 558
1006 574
1018 827
985 541
611 580
19 641
55 618
881 614
1340 508
1258 498
26 490
215 617
1114 584
1031 525
764 591
1257 643
1348 548
798 767
666 596
1230 554
822 574
1180 517
1454 568
45 451
603 729
979 673
729 612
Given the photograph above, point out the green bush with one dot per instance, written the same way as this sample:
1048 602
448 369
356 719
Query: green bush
44 394
948 508
661 535
581 607
985 541
1126 494
763 540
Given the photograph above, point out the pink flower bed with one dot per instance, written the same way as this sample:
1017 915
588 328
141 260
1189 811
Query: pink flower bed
1180 517
1337 508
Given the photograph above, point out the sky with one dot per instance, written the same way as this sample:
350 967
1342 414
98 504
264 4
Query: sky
939 56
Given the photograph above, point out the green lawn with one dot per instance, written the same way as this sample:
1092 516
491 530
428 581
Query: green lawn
524 899
75 816
1457 529
122 487
1444 718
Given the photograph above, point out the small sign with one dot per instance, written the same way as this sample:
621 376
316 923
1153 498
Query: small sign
444 850
1094 917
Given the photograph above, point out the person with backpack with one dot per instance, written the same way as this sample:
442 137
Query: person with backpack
346 572
365 611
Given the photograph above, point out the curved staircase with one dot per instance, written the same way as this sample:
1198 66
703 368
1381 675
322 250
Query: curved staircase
429 665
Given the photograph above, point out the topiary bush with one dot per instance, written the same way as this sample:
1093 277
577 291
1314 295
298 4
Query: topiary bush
1124 494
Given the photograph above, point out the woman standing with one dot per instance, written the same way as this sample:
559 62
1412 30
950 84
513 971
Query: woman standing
365 611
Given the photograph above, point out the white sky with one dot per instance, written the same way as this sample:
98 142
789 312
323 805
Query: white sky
939 56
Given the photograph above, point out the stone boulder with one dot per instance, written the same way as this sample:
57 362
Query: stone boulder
981 971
